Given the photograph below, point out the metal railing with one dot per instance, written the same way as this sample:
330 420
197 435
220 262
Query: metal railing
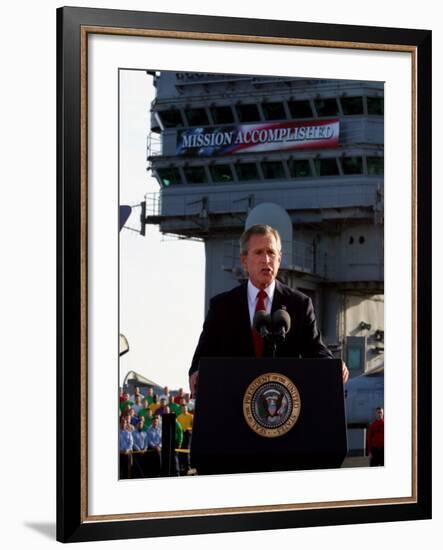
154 145
153 204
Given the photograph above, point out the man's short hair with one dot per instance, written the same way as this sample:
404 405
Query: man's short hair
258 229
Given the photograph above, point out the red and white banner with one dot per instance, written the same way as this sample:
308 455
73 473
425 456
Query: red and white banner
257 138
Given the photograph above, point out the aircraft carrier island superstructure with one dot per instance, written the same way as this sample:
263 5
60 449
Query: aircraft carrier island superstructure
305 156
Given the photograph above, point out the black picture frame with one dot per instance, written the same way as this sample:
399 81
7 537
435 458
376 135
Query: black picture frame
73 25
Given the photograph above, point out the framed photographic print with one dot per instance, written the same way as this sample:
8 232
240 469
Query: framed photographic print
177 133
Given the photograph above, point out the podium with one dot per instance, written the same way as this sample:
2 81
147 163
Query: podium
262 415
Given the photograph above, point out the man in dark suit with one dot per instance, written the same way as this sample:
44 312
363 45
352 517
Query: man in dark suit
227 331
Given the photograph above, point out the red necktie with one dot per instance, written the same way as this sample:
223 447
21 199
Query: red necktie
257 339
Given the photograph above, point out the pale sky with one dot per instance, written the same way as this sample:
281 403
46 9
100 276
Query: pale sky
161 280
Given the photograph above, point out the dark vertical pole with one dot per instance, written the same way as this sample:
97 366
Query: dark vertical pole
168 444
143 218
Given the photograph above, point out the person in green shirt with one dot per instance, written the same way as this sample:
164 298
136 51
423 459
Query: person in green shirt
178 435
149 395
126 403
178 440
174 407
147 414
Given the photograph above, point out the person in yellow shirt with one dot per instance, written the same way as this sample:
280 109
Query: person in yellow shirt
185 419
155 404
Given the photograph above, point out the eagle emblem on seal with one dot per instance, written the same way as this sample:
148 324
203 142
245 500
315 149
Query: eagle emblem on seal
271 405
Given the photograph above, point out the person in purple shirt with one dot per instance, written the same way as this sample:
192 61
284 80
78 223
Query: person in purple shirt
163 405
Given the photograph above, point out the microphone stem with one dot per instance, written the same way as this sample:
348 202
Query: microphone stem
274 347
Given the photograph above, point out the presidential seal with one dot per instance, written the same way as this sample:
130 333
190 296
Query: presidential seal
271 405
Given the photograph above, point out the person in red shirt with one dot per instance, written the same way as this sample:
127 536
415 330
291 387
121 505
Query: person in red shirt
376 439
180 395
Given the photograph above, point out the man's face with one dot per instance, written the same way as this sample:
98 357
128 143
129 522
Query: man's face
379 414
262 260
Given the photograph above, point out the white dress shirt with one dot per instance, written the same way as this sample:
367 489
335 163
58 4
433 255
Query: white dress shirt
253 297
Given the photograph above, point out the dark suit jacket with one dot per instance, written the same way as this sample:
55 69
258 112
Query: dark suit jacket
227 327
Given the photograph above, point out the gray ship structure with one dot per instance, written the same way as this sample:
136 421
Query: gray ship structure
303 155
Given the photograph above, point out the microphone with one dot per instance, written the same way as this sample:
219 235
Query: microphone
262 323
281 322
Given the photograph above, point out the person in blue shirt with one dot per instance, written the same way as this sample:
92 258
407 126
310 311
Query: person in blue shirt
125 444
154 434
139 458
126 440
154 443
140 436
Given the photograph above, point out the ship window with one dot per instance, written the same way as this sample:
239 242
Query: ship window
171 118
355 353
195 174
354 358
375 106
248 113
274 111
273 170
247 171
197 116
326 107
352 105
300 168
375 166
221 173
326 167
352 165
169 176
222 114
300 109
